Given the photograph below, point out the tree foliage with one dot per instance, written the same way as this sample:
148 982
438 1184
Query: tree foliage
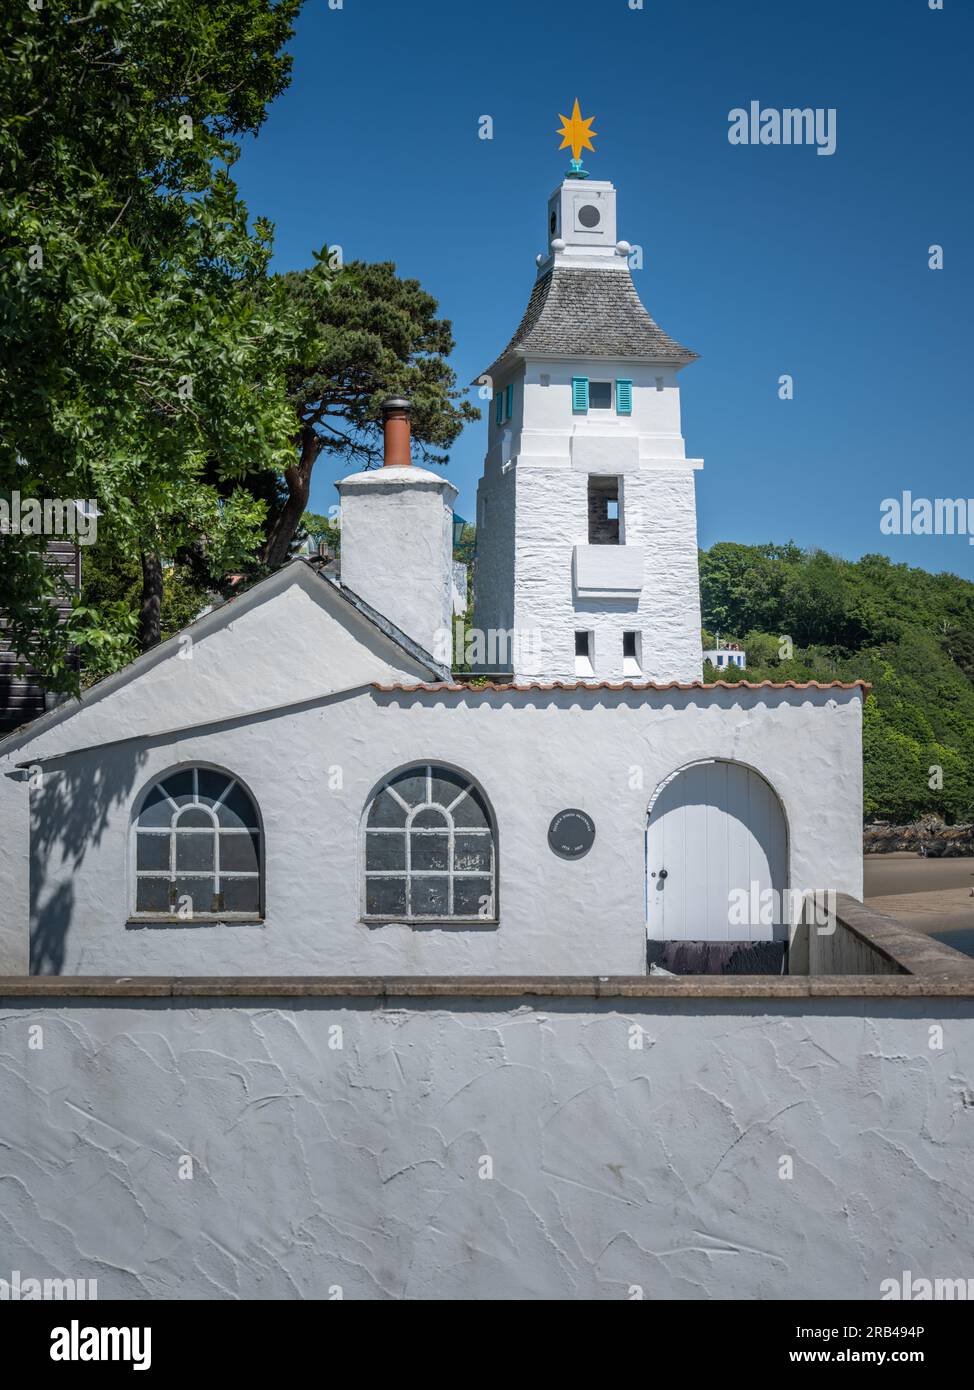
811 616
375 335
143 346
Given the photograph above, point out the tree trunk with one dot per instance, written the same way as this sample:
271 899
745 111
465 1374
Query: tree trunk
285 524
150 612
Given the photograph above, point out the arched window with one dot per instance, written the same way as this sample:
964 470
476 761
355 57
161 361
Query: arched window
197 849
429 849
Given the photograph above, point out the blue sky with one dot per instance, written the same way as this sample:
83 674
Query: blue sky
766 260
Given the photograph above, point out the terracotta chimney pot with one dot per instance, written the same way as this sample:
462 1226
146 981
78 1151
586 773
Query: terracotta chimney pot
395 424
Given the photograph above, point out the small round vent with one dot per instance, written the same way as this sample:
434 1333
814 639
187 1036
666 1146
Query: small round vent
589 216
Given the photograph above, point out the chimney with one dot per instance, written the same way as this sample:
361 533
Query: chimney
395 426
397 538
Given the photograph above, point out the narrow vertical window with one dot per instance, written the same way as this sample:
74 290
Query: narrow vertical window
499 408
632 656
623 397
509 401
584 650
603 510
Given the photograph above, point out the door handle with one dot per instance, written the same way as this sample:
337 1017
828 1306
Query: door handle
663 873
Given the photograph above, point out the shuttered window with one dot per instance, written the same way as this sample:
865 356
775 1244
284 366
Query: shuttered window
509 401
580 395
623 397
499 408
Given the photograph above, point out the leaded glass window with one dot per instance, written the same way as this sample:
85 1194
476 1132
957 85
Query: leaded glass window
429 849
197 849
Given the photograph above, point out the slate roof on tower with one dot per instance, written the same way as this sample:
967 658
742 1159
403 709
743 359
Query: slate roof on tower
576 312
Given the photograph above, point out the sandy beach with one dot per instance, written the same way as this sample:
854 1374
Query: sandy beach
930 895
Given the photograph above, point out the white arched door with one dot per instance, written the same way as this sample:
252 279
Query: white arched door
715 843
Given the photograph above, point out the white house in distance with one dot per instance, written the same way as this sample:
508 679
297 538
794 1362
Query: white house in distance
297 785
730 654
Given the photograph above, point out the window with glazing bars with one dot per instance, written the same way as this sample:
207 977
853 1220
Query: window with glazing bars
197 849
429 848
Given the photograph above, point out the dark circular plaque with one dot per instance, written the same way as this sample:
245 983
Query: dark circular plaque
589 216
571 834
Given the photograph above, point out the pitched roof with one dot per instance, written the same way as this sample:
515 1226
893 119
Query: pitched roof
521 687
576 312
214 619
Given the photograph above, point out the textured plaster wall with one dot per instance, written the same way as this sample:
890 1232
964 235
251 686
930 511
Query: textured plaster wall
613 1169
537 512
14 877
659 516
493 587
397 549
312 771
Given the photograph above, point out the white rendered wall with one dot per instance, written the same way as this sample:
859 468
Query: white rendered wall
313 769
617 1170
397 548
552 518
536 481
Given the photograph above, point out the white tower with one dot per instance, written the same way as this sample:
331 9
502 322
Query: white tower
586 514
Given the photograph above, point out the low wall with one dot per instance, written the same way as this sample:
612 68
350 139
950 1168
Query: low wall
498 1139
861 941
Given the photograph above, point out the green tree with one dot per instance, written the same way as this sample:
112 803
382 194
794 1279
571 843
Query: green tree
376 335
145 354
903 630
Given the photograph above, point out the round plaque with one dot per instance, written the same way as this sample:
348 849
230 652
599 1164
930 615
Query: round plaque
571 834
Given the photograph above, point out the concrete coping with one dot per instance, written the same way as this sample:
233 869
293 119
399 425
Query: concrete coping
915 953
391 989
928 970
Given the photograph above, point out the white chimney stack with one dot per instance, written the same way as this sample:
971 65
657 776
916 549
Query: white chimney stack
397 539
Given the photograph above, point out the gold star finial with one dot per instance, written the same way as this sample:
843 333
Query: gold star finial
576 133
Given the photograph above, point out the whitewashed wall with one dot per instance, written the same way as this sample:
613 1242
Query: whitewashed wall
535 489
552 518
312 771
614 1170
397 548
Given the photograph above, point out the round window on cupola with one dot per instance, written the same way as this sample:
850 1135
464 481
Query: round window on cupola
589 216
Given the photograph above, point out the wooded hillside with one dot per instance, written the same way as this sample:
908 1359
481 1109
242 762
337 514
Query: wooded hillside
806 615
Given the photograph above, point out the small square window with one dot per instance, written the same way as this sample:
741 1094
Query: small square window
600 395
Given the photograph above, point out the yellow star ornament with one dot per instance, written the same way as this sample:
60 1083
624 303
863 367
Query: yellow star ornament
576 133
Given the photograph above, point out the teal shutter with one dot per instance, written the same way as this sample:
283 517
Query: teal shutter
499 408
623 397
580 395
509 401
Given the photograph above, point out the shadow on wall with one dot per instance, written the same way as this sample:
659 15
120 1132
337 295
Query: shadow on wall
70 806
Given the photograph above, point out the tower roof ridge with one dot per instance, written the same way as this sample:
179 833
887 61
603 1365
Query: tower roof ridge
580 312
